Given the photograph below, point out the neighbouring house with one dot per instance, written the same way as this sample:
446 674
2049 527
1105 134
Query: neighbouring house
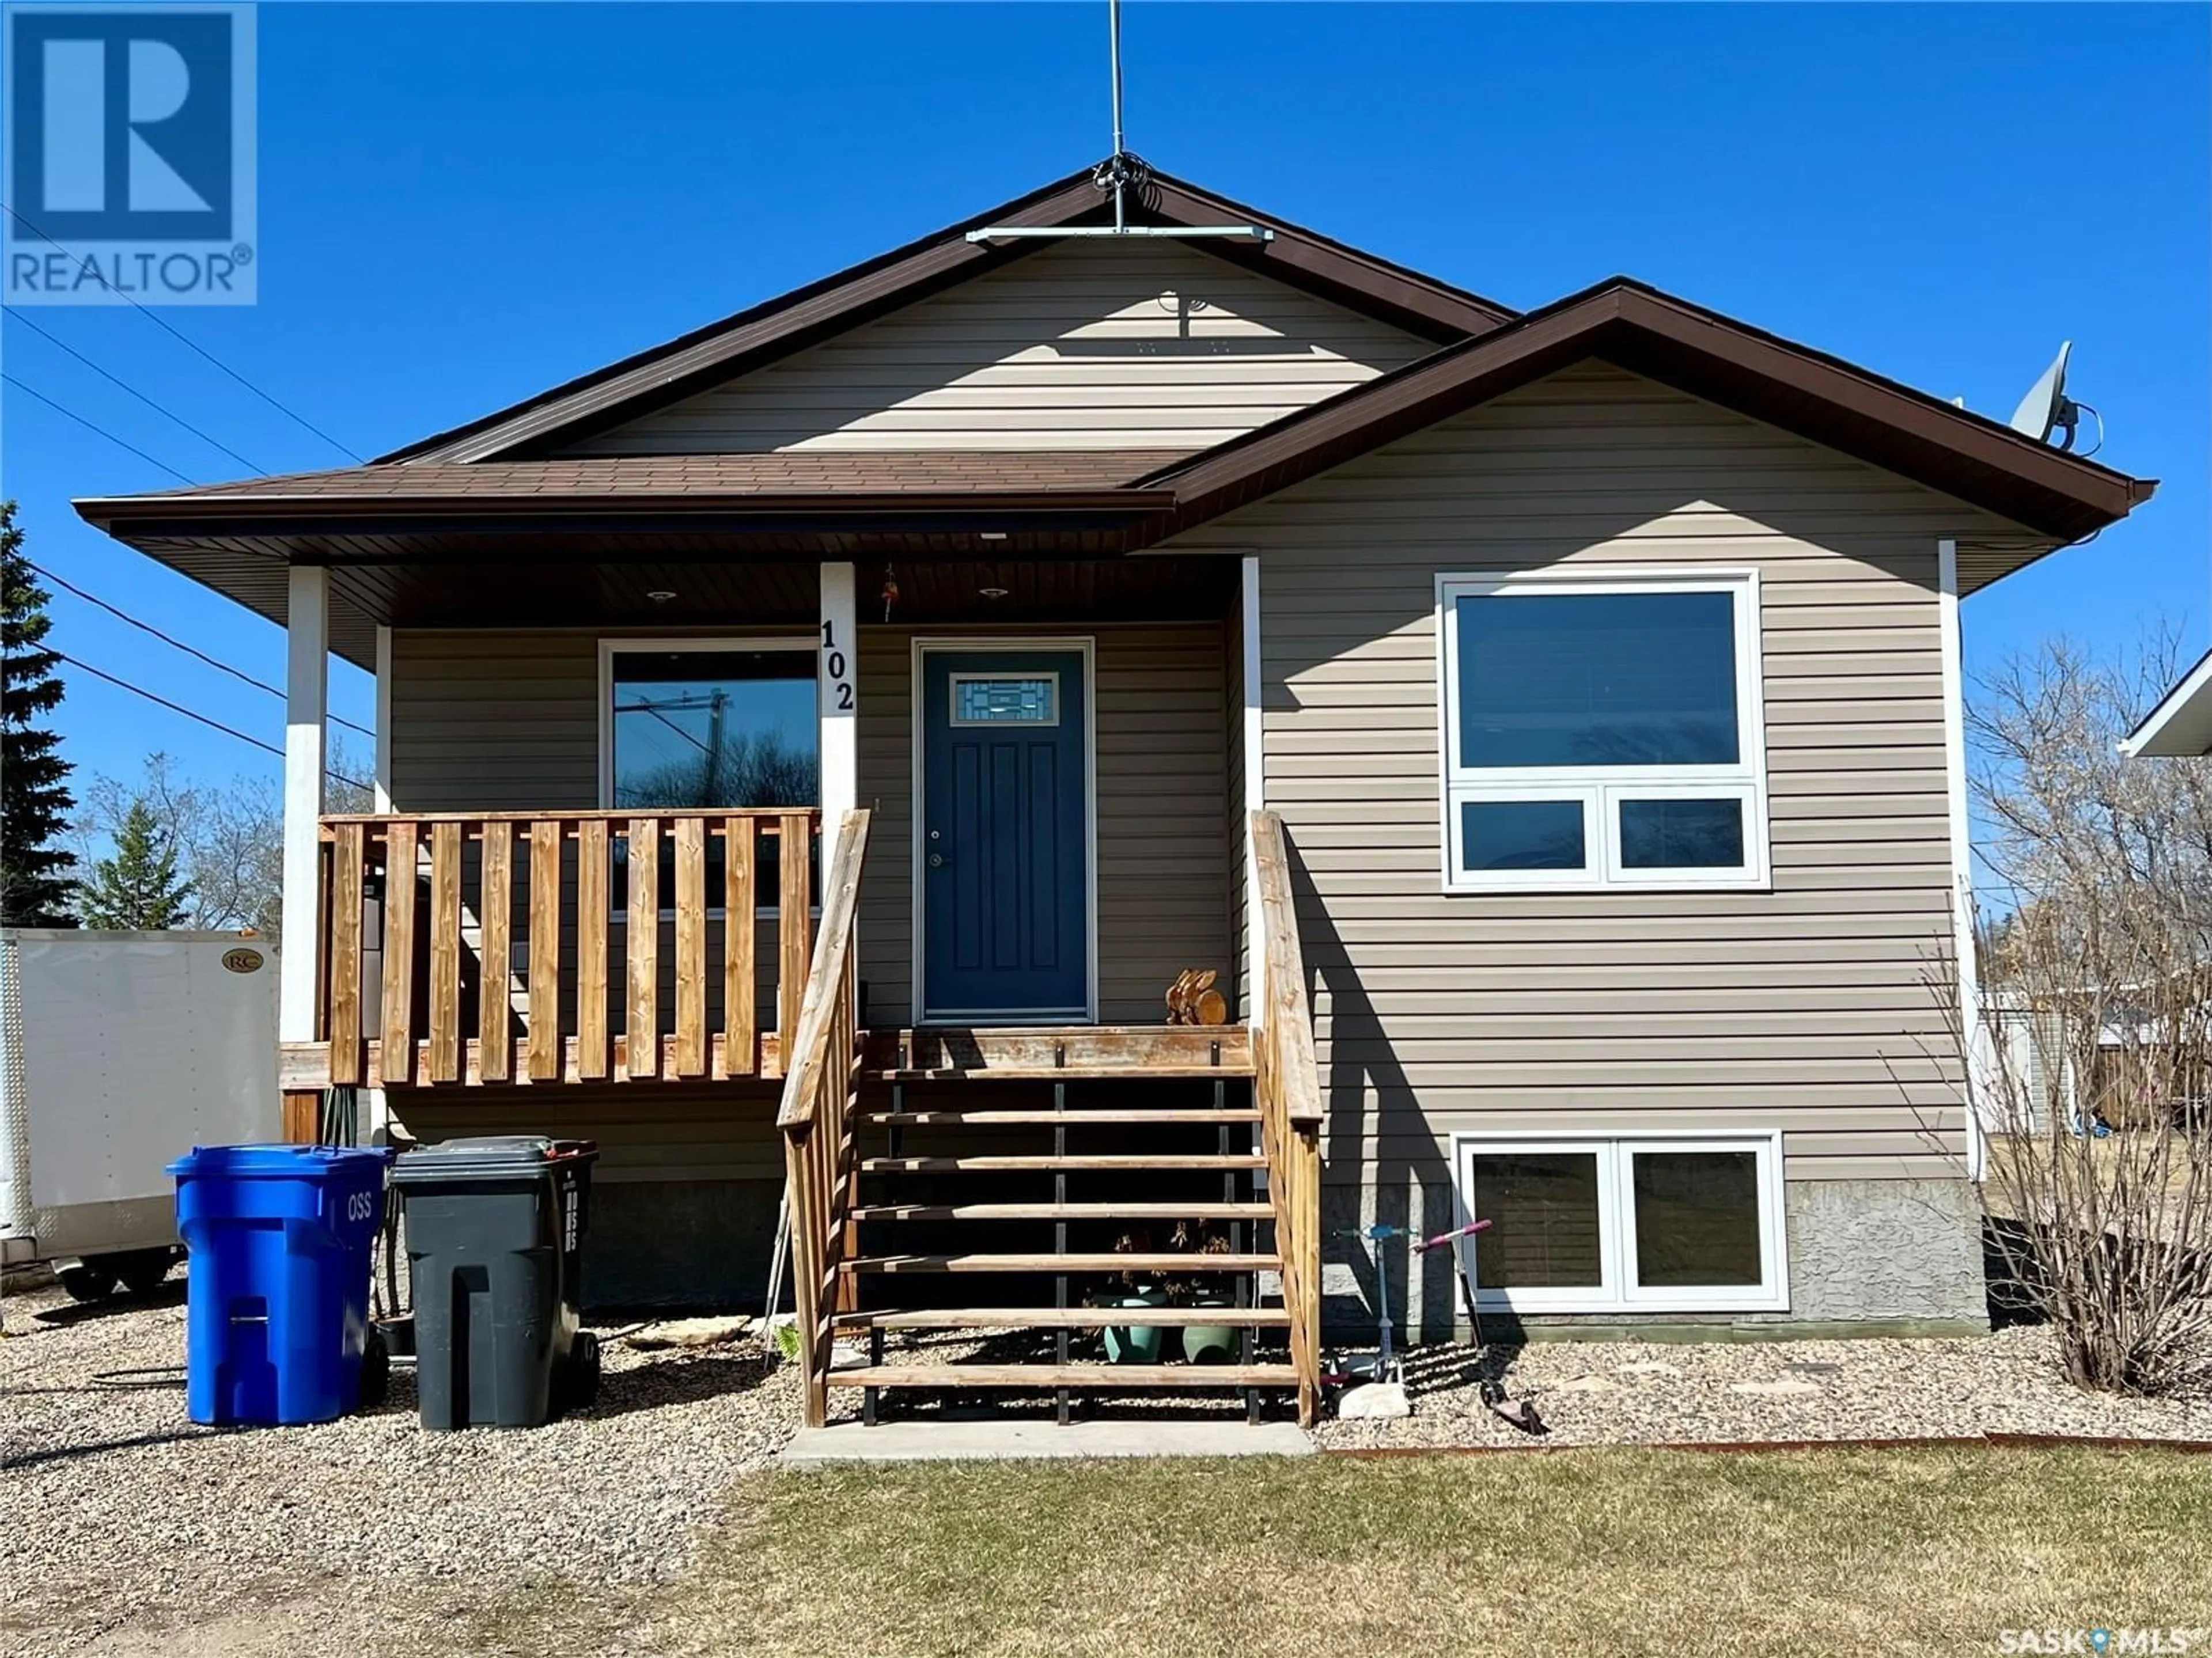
2180 727
1546 725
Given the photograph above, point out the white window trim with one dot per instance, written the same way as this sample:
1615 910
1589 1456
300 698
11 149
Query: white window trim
1601 789
801 644
1619 1293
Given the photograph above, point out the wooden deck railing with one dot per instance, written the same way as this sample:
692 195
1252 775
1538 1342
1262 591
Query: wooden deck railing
1287 1088
505 955
820 1096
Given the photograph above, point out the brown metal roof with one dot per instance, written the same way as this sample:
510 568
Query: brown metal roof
1079 503
761 334
778 476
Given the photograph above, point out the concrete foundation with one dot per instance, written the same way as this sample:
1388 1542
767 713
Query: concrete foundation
1885 1250
1877 1256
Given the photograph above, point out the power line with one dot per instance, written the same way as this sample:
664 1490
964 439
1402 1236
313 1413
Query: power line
135 391
678 730
88 425
213 662
179 707
155 317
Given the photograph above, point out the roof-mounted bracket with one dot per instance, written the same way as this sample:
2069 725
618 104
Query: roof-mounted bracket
1254 232
1118 173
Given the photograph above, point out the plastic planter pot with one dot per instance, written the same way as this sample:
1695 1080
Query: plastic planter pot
1209 1344
1137 1343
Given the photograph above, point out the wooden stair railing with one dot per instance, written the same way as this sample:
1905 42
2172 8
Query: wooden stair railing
819 1113
1287 1088
451 1003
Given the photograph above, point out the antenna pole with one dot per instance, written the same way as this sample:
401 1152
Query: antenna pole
1114 59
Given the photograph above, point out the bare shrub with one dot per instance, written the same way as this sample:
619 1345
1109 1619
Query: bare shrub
2093 1078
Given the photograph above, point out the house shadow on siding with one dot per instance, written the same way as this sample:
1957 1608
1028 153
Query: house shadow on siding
1367 1095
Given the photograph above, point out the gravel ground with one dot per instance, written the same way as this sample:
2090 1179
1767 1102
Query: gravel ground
117 1513
126 1531
1631 1393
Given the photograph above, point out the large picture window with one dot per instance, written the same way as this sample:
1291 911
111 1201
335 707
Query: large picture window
1625 1221
1602 730
710 724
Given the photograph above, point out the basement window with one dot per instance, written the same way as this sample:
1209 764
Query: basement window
1602 730
1625 1223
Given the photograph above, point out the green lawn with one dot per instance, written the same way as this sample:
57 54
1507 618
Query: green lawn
1595 1552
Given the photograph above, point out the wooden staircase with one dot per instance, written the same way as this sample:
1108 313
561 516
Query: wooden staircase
1075 1217
972 1194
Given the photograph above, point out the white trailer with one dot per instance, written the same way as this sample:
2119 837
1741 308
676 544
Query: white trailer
119 1052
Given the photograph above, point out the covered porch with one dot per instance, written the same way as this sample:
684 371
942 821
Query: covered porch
971 783
1053 750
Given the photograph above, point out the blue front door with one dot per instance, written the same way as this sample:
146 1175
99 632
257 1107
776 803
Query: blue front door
1005 851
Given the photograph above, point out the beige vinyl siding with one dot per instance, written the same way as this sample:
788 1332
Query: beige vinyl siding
646 1131
1803 1008
494 721
1143 345
1164 862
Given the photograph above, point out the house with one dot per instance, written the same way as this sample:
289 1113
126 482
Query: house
2180 727
1546 724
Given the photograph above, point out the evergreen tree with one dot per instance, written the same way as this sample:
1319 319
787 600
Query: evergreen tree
137 886
35 803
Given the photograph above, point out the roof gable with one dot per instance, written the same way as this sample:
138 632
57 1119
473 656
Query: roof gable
1087 344
561 416
1629 324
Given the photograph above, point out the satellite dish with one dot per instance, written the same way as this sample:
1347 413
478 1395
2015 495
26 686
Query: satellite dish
2046 408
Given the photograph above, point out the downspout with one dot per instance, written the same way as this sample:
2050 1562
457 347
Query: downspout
1973 1031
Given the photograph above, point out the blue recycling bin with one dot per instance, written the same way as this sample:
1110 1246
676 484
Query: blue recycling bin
276 1302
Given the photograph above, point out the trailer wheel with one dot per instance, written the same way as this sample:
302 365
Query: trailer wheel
88 1283
144 1273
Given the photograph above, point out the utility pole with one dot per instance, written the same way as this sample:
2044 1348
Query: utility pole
707 791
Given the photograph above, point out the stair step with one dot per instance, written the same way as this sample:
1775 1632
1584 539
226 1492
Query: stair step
1214 1161
1054 1317
1173 1114
1076 1052
1113 1377
1109 1262
1253 1211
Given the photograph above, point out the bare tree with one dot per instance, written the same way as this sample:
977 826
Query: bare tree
229 837
2095 1077
759 769
2073 817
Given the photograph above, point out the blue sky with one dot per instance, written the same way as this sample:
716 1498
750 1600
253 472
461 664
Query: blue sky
462 204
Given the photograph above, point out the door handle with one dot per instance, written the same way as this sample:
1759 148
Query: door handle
936 860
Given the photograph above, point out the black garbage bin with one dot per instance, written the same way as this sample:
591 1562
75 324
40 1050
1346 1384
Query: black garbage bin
494 1233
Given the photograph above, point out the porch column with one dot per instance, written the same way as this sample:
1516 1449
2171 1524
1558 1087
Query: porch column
839 702
379 1107
1973 1038
307 687
1250 735
380 777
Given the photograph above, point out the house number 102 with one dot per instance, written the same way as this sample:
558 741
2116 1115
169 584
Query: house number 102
837 670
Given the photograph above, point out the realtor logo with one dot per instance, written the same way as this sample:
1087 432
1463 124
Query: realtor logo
130 155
